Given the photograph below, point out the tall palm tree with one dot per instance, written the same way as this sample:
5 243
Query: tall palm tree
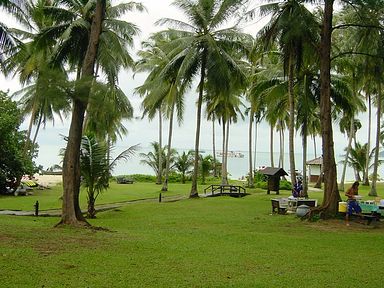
295 29
203 46
81 39
7 40
163 90
46 87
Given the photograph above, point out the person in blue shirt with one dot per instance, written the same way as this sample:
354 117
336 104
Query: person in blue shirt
297 189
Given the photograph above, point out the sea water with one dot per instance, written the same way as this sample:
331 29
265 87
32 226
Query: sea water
237 167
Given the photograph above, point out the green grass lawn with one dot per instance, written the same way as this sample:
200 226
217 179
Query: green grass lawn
210 242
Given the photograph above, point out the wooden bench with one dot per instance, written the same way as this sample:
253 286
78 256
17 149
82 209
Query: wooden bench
279 205
368 218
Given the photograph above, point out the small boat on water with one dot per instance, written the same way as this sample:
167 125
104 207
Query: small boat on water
232 154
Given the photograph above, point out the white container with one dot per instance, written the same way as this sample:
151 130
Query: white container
382 202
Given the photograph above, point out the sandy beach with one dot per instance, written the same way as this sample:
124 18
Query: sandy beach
48 180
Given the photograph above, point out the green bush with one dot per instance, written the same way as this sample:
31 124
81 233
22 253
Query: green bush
139 177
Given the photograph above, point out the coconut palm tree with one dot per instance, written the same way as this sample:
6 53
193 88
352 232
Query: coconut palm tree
152 158
7 40
295 29
204 45
162 90
45 93
83 29
183 164
356 159
96 168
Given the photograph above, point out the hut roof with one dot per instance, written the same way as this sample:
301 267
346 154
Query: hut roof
273 171
316 161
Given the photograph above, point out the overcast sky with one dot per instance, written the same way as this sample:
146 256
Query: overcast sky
142 131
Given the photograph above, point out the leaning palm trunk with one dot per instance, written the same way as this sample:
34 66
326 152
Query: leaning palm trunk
250 173
29 132
36 133
168 160
373 191
350 138
71 213
194 192
291 121
366 168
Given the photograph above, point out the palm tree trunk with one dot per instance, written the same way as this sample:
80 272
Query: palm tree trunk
255 153
160 172
271 146
36 133
223 158
350 138
366 170
291 121
331 198
167 163
281 160
194 192
91 213
305 181
29 132
71 213
314 145
250 173
214 147
373 191
226 153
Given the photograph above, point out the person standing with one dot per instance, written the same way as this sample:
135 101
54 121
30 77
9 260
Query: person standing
352 204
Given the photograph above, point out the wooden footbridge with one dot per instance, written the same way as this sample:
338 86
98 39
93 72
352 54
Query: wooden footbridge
221 190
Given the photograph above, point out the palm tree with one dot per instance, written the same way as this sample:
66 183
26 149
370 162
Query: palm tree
7 40
356 159
295 29
96 168
206 166
183 163
45 93
203 46
81 39
152 158
163 90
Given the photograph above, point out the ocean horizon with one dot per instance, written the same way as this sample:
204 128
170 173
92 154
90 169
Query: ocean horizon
237 167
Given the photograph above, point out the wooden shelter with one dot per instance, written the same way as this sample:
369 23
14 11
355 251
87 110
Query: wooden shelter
274 175
314 168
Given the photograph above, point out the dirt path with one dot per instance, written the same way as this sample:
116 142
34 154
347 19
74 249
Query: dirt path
99 208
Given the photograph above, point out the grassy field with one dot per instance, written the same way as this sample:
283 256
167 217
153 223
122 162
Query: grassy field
210 242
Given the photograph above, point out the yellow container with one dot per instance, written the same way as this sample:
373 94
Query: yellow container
342 206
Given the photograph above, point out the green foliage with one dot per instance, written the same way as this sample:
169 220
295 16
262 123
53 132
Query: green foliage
261 182
139 177
13 163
